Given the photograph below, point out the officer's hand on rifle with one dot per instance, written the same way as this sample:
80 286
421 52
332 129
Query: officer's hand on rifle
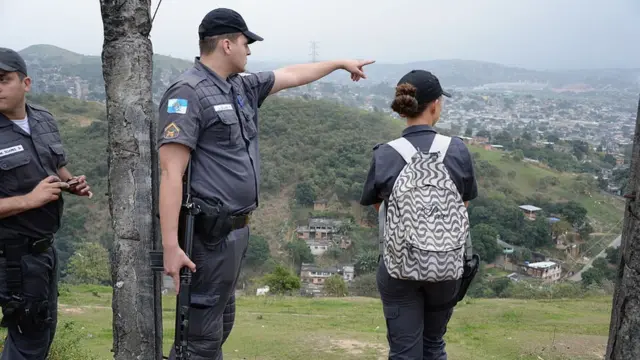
174 260
46 191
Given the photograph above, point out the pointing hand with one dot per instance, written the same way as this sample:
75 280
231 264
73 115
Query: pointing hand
355 68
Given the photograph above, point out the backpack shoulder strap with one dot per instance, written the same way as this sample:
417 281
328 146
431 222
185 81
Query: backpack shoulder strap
440 145
404 147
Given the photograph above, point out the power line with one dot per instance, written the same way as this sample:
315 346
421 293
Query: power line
155 12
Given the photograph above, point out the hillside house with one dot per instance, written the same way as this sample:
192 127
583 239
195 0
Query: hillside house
493 147
318 247
479 140
319 229
343 242
530 211
313 274
320 205
545 270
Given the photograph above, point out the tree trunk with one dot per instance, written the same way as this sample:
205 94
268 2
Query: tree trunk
624 331
127 69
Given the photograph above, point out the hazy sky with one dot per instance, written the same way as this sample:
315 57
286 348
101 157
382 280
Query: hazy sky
535 34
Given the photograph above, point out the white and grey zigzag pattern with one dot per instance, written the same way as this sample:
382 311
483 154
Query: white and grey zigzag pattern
426 224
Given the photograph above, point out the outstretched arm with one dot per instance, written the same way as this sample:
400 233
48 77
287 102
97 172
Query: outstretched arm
302 74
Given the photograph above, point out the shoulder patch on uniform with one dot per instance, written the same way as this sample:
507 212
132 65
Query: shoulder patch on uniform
171 131
177 106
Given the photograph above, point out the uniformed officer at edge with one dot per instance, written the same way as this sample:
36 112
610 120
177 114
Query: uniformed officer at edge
212 109
32 176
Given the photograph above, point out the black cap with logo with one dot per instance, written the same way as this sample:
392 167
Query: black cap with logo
426 83
11 61
224 21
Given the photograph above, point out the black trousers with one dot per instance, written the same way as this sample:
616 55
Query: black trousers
212 312
414 332
40 282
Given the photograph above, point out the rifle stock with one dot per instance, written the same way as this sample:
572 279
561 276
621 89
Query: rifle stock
188 212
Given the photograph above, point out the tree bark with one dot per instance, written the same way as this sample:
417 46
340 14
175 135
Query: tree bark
127 69
624 330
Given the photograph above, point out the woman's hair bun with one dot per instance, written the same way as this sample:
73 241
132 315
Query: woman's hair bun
405 102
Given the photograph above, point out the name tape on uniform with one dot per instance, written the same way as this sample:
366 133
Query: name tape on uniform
177 106
11 150
223 107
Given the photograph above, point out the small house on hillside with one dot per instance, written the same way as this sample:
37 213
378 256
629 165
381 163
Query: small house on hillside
530 211
319 229
545 270
316 275
320 205
318 247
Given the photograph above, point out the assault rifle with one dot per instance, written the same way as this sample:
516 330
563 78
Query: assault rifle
188 212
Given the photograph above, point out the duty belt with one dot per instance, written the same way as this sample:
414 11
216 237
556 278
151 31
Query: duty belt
13 250
239 221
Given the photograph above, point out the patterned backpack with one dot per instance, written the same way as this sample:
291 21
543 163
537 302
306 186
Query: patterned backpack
425 225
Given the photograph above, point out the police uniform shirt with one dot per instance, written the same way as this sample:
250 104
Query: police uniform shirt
387 164
25 160
219 119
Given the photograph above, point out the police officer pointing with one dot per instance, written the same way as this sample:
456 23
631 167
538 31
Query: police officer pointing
32 176
210 114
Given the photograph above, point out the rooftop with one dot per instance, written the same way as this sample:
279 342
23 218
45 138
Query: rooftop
530 208
542 264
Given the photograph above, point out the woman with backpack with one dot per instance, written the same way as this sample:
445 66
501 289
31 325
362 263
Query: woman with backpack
424 181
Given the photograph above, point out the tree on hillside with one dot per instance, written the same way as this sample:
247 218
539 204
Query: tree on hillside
127 71
335 286
281 281
625 315
299 252
257 252
89 265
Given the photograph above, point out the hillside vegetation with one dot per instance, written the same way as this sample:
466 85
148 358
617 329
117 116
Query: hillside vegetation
269 328
324 149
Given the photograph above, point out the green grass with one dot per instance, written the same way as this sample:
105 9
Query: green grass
604 210
354 328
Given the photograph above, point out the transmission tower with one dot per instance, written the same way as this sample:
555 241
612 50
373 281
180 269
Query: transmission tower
314 53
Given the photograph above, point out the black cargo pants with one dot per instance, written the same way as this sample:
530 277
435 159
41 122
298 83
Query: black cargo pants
40 282
414 332
212 312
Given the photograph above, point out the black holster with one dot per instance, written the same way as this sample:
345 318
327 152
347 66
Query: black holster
27 315
213 222
471 267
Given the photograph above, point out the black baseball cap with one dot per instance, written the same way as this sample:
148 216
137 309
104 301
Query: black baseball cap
224 21
11 61
427 84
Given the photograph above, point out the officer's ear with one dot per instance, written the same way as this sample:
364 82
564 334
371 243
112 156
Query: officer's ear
26 82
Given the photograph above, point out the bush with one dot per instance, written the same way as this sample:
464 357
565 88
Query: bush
365 285
335 286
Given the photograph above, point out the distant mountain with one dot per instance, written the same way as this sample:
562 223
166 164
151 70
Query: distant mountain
59 71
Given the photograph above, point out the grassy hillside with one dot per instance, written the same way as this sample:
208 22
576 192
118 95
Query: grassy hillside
604 209
326 329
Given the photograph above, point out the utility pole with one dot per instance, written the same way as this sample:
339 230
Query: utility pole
624 329
127 57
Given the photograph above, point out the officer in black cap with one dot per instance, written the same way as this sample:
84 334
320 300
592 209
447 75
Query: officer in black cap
32 176
210 113
415 326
